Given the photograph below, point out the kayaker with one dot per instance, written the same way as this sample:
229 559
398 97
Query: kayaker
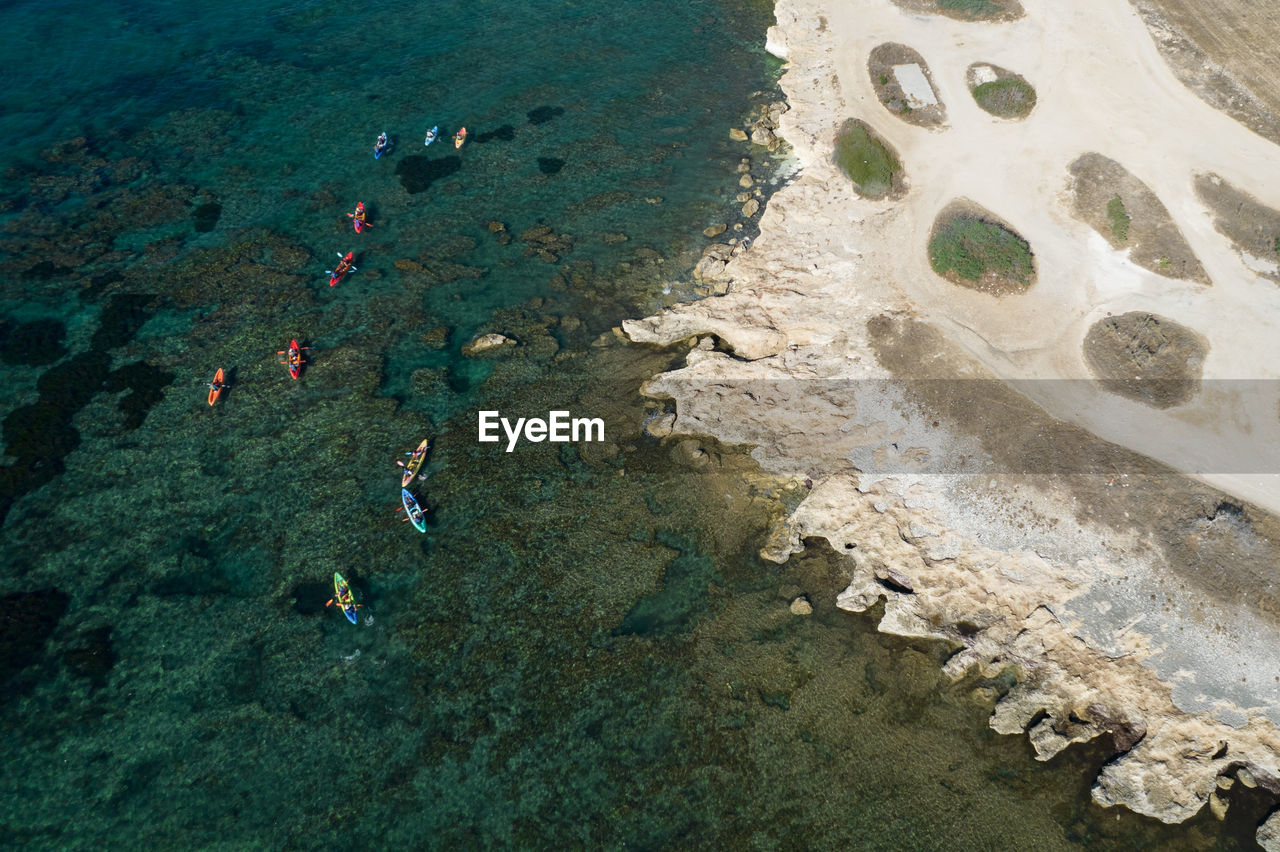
359 214
382 142
341 268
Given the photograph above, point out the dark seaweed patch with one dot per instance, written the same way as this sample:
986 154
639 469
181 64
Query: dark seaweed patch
310 598
146 384
71 384
206 216
48 269
27 620
93 658
682 598
505 133
34 343
93 290
40 435
550 165
418 173
543 114
121 319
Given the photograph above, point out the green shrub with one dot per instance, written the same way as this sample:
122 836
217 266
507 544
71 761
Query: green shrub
868 163
1119 218
973 8
1007 98
973 248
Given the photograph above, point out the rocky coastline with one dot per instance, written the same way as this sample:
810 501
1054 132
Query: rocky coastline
1129 602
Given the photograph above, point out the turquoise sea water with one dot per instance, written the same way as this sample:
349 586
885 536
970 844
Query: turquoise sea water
584 650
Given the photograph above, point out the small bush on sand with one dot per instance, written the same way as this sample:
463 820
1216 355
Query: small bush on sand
1008 98
973 8
975 250
866 160
1119 218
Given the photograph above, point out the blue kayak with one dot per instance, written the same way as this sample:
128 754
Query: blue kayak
432 135
346 600
413 510
383 143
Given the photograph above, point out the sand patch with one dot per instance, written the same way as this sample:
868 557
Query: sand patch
1253 227
1146 358
1128 215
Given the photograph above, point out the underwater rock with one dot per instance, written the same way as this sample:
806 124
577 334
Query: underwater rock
715 230
487 342
661 426
765 137
737 135
714 259
437 338
545 244
750 208
801 606
1268 835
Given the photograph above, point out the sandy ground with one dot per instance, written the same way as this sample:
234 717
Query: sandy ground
1102 86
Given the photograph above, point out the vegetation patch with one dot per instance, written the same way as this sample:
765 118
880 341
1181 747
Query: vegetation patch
1128 215
1118 218
1009 97
889 92
1253 227
1146 358
868 161
972 248
966 10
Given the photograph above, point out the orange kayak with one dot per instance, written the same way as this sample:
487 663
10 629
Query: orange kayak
459 138
215 387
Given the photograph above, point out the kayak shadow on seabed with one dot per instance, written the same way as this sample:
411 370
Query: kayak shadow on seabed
418 172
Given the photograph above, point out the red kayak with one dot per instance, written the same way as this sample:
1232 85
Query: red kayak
294 362
217 386
340 271
357 218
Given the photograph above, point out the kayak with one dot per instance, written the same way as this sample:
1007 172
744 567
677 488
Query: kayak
341 270
358 217
413 510
342 594
383 143
295 359
431 135
459 138
215 387
415 463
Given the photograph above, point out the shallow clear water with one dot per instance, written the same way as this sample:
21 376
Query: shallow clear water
584 649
